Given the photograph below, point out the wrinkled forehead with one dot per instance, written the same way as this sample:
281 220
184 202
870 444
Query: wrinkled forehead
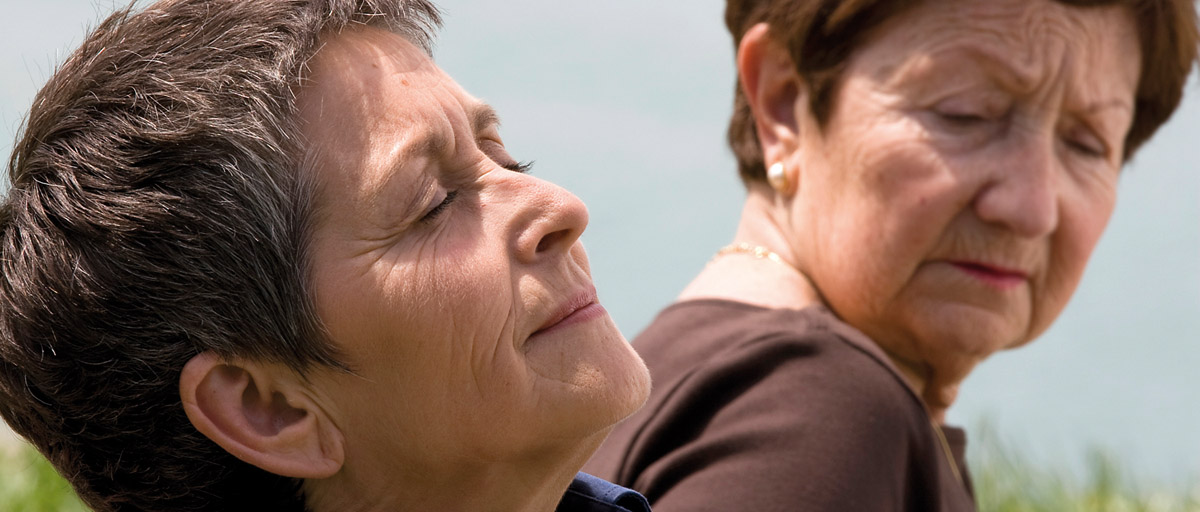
1015 22
359 69
376 114
367 88
373 52
1034 39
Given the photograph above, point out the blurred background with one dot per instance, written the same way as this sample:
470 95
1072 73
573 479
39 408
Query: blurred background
624 102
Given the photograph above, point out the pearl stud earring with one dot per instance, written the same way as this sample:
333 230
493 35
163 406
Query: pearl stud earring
777 178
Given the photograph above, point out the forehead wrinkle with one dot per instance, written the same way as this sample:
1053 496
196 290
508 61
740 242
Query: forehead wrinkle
1026 44
1057 40
429 139
440 140
403 143
1020 57
430 133
1122 72
393 148
980 30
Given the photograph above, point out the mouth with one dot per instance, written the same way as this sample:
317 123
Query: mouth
994 275
582 307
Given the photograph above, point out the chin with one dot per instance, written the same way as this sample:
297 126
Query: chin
597 391
957 351
1020 341
623 388
976 331
637 387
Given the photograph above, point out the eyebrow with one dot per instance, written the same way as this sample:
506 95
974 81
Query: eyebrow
483 116
1001 67
1106 105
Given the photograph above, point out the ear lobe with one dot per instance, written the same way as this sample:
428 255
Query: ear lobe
258 413
773 89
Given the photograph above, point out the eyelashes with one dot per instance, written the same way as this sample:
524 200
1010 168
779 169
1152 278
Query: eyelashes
521 167
436 211
433 213
496 152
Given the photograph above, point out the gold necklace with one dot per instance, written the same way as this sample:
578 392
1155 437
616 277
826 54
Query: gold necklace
937 430
757 251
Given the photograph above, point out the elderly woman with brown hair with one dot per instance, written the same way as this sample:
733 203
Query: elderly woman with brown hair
265 255
925 183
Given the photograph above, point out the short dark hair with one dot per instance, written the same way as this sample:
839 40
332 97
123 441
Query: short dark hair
822 36
158 210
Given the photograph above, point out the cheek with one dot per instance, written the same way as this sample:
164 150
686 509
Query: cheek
880 219
1071 247
462 284
442 314
465 311
437 349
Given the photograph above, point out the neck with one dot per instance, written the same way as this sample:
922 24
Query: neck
534 484
743 277
937 396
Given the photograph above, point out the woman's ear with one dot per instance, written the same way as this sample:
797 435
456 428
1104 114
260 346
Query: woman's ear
774 91
259 413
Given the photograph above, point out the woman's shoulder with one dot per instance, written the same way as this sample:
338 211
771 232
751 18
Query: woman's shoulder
811 351
719 362
706 328
766 398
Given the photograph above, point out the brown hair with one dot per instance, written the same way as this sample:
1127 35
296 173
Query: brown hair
822 35
157 211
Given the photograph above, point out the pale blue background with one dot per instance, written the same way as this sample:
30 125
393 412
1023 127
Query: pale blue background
625 101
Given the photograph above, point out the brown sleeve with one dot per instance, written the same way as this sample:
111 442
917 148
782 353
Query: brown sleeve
778 425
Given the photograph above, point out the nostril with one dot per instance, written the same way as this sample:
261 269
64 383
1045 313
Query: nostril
549 241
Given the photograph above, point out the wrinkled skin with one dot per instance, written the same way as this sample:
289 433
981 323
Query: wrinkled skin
437 264
968 169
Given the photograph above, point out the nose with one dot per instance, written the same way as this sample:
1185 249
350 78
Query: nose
549 220
1022 192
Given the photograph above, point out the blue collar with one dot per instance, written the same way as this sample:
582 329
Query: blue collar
590 494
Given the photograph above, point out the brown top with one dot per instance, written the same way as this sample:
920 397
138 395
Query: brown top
757 409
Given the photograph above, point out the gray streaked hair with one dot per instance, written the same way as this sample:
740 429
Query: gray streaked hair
158 210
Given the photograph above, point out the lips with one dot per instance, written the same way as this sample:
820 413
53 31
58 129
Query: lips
581 307
996 275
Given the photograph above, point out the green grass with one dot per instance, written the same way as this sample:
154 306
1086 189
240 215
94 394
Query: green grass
1005 481
29 483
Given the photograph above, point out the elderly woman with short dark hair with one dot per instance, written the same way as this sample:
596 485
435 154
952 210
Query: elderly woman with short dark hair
925 183
265 255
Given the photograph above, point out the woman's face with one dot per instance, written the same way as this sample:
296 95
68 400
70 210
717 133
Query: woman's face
453 282
969 166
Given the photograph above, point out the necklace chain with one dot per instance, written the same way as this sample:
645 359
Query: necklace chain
757 251
937 430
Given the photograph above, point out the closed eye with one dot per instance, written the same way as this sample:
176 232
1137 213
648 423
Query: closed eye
1085 142
1086 149
441 207
961 119
974 109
